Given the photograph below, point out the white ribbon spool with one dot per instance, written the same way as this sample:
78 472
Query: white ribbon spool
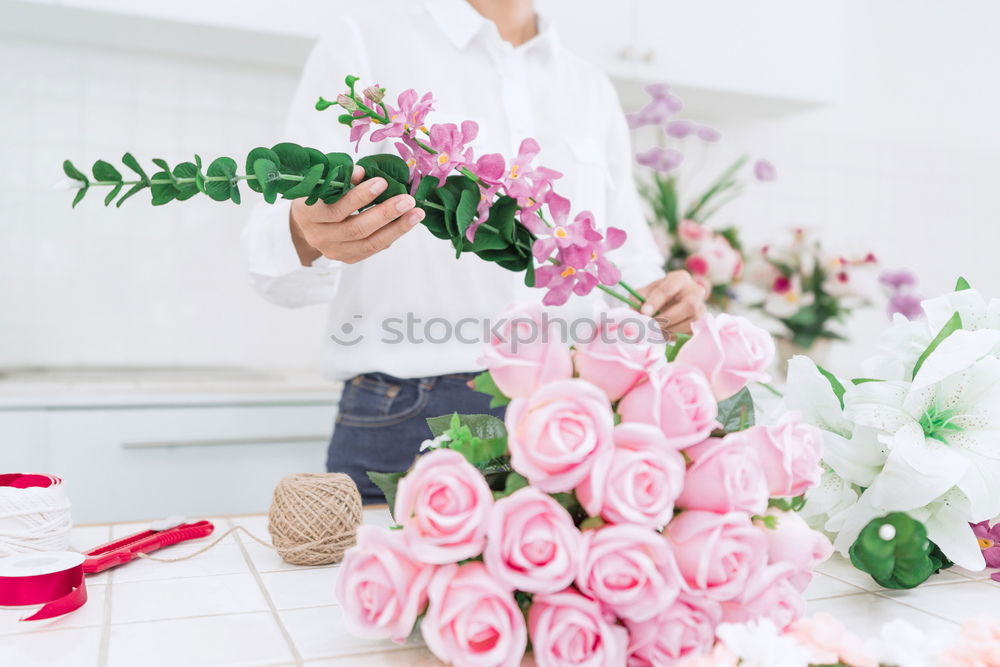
34 514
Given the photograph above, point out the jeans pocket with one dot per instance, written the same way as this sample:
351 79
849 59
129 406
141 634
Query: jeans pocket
370 400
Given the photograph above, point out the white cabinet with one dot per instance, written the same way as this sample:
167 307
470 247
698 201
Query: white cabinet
776 49
128 462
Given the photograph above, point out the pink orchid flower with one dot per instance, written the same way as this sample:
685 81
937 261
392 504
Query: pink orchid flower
989 541
562 281
490 169
449 141
580 232
409 116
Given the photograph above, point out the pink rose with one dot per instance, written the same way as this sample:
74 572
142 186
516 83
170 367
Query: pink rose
730 351
528 352
771 594
443 505
692 235
621 352
630 569
473 619
725 476
637 481
678 400
790 452
687 627
717 553
570 629
533 544
555 435
794 542
381 588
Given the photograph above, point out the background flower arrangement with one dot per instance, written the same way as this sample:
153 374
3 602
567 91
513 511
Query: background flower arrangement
911 453
804 291
624 508
714 257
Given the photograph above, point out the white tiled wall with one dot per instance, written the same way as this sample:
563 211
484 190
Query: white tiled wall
906 164
137 284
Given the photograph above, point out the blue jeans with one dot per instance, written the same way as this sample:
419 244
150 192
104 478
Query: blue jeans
381 422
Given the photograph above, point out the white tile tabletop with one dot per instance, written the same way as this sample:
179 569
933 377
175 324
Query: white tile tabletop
240 604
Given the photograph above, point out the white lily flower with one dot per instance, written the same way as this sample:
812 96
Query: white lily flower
900 347
436 442
975 311
761 644
900 643
829 503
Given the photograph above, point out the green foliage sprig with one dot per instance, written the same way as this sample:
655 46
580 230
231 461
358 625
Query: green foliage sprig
290 171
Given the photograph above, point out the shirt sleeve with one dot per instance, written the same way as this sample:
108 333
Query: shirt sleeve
638 259
276 273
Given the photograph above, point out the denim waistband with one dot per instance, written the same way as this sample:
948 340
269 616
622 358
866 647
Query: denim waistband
425 382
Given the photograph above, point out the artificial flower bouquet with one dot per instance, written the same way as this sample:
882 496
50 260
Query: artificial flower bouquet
713 257
803 291
624 508
912 456
497 210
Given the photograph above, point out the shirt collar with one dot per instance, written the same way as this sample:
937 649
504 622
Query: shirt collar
461 24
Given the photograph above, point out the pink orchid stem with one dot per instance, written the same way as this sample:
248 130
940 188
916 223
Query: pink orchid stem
383 119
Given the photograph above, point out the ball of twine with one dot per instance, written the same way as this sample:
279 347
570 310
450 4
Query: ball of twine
314 518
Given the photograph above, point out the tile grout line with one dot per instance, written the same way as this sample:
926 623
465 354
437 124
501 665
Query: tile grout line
105 646
920 609
297 657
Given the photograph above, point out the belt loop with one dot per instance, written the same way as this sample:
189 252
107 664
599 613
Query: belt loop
428 383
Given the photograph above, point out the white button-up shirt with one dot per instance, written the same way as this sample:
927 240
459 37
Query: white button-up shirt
413 310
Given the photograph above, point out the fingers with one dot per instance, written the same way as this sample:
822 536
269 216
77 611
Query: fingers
383 238
662 292
363 225
357 175
356 198
685 309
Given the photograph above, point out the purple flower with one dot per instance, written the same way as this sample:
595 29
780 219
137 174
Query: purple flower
449 142
897 278
679 129
658 110
562 234
706 133
562 281
989 541
409 116
906 304
764 171
660 159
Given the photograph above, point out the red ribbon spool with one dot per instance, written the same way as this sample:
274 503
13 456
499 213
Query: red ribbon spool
53 579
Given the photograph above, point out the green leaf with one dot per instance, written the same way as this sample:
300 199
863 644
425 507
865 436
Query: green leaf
675 347
259 153
736 413
857 381
163 193
340 166
186 190
390 167
222 190
131 191
112 194
267 175
592 523
466 211
950 327
529 275
481 426
484 384
129 161
309 181
388 482
292 158
838 389
199 178
962 285
895 551
103 171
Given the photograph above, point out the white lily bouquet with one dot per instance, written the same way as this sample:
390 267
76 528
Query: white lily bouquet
912 452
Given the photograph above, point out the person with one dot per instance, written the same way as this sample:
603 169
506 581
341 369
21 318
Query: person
402 309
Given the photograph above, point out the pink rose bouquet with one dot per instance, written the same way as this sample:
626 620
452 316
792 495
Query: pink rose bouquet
618 514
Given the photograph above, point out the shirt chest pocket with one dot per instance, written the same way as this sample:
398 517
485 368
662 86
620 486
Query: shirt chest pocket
591 178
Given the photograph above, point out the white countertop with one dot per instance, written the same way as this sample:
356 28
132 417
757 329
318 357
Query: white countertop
239 604
83 387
